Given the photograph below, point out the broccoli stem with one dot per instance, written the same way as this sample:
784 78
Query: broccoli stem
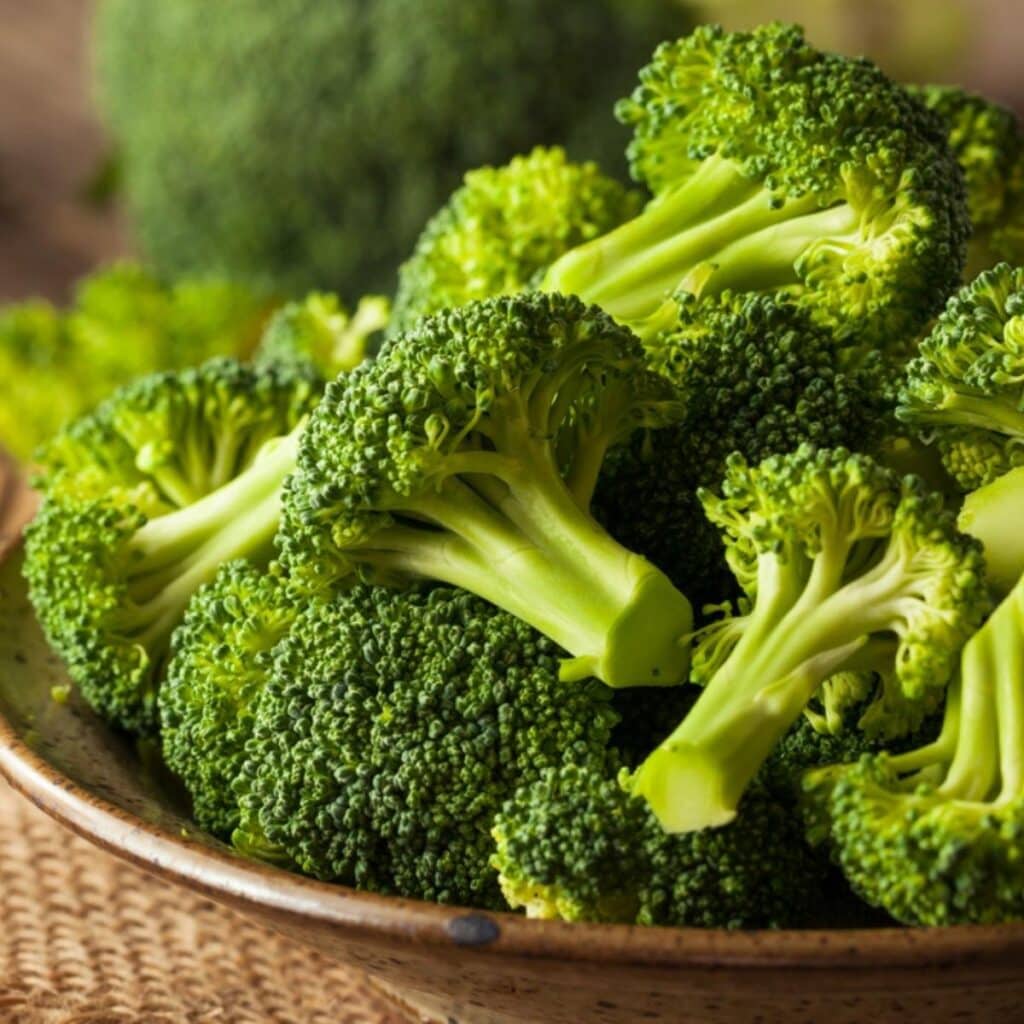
958 408
718 218
992 514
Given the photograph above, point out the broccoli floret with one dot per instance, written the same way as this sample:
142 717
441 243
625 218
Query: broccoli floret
989 145
844 567
220 662
933 835
123 323
144 499
504 227
467 453
394 726
319 331
754 376
575 845
776 167
306 143
964 393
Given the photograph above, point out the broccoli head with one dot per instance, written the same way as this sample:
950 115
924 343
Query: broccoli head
575 845
989 145
933 835
776 167
306 143
144 499
843 567
320 332
394 726
467 453
504 227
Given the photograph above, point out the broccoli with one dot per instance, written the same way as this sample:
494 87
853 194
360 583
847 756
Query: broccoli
776 167
144 499
754 376
306 143
220 661
844 567
933 835
393 727
964 394
504 227
124 323
320 332
989 144
575 845
467 453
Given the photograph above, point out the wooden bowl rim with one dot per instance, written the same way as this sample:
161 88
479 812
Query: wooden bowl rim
229 878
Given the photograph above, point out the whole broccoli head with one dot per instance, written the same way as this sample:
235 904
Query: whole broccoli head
467 452
504 227
776 167
394 726
844 567
220 661
575 845
123 323
754 375
144 499
306 143
321 334
933 835
989 145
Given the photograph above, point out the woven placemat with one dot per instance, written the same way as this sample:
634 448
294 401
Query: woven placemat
85 939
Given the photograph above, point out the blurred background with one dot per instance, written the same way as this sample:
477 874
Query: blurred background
62 207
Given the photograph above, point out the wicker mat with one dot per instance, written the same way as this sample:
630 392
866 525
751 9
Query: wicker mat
85 939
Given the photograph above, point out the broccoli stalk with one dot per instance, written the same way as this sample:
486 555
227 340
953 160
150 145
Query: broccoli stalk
475 466
837 557
932 835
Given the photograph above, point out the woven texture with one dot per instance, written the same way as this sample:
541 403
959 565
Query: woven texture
85 939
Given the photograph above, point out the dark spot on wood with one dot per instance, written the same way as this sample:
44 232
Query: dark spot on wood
473 930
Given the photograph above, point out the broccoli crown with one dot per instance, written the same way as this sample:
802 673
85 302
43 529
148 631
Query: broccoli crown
319 332
348 123
780 168
965 389
124 323
933 835
754 376
575 845
393 728
989 145
143 500
220 662
504 226
467 453
844 567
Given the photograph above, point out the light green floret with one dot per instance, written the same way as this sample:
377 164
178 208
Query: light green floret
504 226
776 167
320 331
220 660
143 501
934 835
844 567
468 452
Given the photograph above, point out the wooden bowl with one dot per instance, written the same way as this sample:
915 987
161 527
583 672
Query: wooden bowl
460 966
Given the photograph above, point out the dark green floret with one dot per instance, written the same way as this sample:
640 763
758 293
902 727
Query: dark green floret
843 567
394 727
779 168
754 375
144 499
504 227
575 845
934 835
220 661
320 332
468 451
